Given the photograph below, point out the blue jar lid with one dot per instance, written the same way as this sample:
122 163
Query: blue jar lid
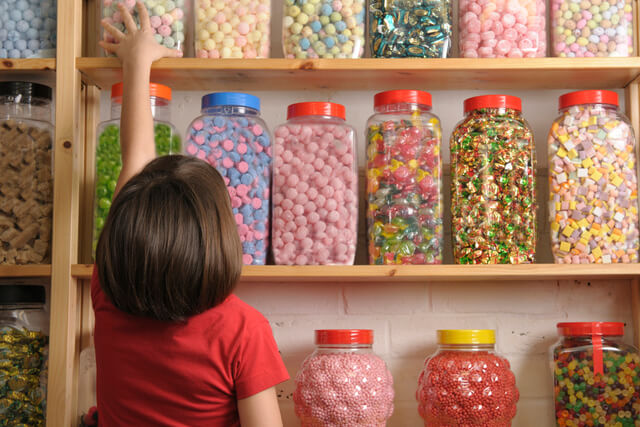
231 98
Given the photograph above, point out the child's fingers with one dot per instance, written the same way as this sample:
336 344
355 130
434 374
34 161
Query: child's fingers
172 53
129 23
143 16
116 33
109 47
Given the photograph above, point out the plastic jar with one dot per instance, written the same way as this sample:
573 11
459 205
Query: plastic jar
232 28
24 339
421 29
26 177
28 29
315 187
593 182
493 171
323 29
595 375
591 28
404 177
108 154
466 383
232 137
500 29
343 383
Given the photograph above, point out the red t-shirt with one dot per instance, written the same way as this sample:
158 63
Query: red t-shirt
154 373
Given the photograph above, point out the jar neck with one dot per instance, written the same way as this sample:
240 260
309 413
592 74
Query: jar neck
501 111
317 117
592 107
160 109
401 107
588 339
467 347
21 306
343 348
37 109
230 110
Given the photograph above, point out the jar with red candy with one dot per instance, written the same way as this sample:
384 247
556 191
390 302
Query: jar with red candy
466 383
343 383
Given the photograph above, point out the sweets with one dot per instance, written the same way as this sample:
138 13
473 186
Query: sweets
28 29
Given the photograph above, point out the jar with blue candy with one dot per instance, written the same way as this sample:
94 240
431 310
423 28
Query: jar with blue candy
231 136
28 28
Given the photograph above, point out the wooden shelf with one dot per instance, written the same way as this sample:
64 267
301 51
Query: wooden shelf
11 271
22 65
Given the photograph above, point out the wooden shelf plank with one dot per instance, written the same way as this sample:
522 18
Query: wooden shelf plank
21 65
10 271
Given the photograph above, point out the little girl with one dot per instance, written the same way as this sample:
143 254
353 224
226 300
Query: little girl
174 346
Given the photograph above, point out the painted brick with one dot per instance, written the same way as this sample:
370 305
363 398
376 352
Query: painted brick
382 298
534 413
405 378
292 298
405 415
594 300
530 334
533 376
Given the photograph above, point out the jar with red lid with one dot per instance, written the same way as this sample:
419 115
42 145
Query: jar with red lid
404 178
593 181
596 375
466 383
343 382
315 187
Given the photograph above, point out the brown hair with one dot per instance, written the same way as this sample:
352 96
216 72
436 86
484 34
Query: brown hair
170 246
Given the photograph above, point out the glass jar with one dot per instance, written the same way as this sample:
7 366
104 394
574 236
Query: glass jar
501 29
108 155
315 187
595 375
26 178
24 338
323 29
593 182
28 29
232 29
343 383
232 137
404 177
493 167
466 383
591 28
413 29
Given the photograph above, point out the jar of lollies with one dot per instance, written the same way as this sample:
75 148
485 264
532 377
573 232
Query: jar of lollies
501 29
108 154
315 187
404 178
591 28
408 29
493 167
28 28
231 136
323 29
232 28
596 375
343 382
466 383
593 182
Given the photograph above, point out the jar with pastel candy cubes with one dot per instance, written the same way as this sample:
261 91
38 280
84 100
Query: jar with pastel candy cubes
28 29
593 182
231 136
502 29
315 187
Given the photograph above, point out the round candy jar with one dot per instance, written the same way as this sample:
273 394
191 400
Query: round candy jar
231 136
493 210
404 177
323 28
28 29
315 187
466 383
501 29
593 182
595 376
401 29
343 383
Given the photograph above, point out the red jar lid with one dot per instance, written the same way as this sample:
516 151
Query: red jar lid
402 96
588 97
590 328
155 89
344 336
316 109
492 101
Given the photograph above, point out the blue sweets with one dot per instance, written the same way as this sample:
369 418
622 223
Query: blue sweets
28 28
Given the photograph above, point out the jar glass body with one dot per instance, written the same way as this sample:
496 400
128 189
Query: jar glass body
500 29
593 181
315 192
26 180
493 188
404 181
236 141
28 29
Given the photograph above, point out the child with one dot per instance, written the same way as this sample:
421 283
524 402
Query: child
174 346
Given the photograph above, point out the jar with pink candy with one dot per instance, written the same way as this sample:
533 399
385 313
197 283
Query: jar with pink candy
315 187
502 28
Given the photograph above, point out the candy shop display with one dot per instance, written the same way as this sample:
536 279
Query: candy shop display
232 28
28 28
323 28
343 383
108 155
593 182
596 376
418 29
232 137
591 28
466 383
404 177
26 177
315 187
501 29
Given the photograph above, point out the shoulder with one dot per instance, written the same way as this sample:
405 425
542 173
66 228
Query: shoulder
235 309
234 316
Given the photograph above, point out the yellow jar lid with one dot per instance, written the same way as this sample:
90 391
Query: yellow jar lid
466 336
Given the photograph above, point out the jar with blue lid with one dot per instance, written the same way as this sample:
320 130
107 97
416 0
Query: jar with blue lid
231 136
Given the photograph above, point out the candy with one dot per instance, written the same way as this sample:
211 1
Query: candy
28 29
